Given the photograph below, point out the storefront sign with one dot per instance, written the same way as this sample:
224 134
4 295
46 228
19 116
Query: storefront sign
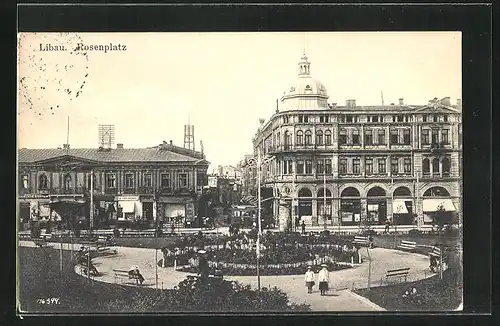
125 198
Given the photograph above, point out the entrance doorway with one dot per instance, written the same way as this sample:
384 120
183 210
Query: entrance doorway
376 205
350 206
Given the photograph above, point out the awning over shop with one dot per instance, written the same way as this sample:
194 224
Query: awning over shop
73 201
433 205
127 206
399 206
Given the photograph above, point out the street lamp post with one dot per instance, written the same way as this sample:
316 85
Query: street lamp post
259 163
324 197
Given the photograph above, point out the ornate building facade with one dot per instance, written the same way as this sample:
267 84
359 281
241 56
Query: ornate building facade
161 182
341 165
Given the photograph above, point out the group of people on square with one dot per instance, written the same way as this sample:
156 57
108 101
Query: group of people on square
323 279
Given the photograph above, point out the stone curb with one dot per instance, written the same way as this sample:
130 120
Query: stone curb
366 301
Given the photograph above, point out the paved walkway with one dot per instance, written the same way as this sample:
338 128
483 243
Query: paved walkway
340 299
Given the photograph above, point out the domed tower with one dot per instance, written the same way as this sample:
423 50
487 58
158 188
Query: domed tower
306 93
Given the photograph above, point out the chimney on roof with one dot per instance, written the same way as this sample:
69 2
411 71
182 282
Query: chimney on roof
351 103
119 146
446 101
401 102
66 146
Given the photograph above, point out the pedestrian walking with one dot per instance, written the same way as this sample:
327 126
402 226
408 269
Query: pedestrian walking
303 227
323 279
310 279
387 224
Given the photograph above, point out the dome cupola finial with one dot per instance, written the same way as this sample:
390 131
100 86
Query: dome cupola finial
304 65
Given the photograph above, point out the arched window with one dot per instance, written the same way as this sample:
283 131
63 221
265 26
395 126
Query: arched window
435 166
304 192
350 192
319 137
328 137
436 192
426 166
376 192
402 192
67 181
321 193
446 166
308 137
288 139
43 182
300 137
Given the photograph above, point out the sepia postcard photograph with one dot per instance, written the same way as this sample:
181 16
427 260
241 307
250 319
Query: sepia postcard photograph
239 172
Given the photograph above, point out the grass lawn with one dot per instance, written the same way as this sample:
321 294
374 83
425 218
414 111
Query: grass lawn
432 294
40 278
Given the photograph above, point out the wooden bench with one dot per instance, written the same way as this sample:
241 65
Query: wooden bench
408 245
364 241
121 273
399 273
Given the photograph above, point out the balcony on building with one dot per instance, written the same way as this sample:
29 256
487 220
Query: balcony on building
80 190
111 191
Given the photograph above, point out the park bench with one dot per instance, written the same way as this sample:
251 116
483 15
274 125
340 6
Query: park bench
364 241
408 245
397 273
121 273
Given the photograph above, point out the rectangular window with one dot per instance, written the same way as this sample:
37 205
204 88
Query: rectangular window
111 180
25 181
355 137
286 119
285 167
129 180
290 166
368 137
400 118
435 118
328 166
369 166
309 166
183 180
394 136
165 180
407 165
424 118
308 138
321 119
381 166
381 137
406 136
320 167
200 179
375 118
327 118
425 136
343 166
435 138
445 118
306 118
355 165
147 180
301 118
348 118
300 167
444 134
394 165
343 137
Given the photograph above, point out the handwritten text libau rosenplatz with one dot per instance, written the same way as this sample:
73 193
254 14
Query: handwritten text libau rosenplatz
84 47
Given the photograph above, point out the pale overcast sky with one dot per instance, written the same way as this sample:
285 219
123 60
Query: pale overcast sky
222 82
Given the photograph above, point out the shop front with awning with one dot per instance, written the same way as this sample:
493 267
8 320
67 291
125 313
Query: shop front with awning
129 208
442 207
402 210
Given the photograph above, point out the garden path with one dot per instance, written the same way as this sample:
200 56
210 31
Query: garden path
341 299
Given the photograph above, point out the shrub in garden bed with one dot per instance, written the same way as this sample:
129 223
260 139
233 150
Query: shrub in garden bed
266 270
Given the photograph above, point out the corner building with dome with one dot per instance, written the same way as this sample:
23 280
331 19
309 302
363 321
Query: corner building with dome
332 165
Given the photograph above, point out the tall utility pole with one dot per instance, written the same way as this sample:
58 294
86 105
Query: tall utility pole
91 200
294 222
393 217
324 196
258 216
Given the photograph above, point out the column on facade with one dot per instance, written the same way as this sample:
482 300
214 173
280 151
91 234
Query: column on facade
364 206
388 165
284 221
431 166
389 203
362 136
440 167
136 183
362 165
388 136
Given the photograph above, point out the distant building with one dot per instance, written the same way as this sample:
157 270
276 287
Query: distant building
129 184
341 165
